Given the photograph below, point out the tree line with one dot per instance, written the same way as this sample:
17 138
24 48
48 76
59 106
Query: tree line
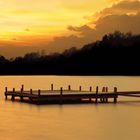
115 54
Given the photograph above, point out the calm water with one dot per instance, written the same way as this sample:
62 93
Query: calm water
23 121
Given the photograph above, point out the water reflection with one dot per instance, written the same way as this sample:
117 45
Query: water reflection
79 121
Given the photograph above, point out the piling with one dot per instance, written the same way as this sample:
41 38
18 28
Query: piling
115 100
21 98
106 100
61 95
101 100
13 96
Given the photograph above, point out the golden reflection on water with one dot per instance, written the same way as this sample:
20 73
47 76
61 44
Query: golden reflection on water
70 122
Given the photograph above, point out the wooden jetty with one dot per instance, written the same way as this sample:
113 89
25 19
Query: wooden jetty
68 95
63 96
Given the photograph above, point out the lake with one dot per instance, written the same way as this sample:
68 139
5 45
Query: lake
70 122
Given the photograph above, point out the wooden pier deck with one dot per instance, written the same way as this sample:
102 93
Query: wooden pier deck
68 96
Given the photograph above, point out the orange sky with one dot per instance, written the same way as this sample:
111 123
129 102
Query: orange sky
55 25
34 21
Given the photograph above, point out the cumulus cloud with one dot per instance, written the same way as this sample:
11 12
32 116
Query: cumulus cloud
120 8
123 16
117 17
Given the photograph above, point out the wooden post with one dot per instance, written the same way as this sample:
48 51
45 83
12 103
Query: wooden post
97 90
22 88
103 89
61 95
106 100
90 89
39 92
51 87
13 90
101 100
6 90
61 91
80 88
69 87
13 98
115 99
21 98
31 91
115 89
106 89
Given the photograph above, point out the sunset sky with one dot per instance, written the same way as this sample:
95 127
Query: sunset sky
58 24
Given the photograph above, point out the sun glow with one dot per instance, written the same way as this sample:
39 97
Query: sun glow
34 20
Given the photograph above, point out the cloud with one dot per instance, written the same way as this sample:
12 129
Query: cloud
83 30
120 8
123 16
27 30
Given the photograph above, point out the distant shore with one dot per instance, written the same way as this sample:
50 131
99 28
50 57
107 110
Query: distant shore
117 54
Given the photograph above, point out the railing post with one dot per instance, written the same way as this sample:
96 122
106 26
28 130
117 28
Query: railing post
31 91
103 89
6 90
69 87
115 91
97 90
13 90
106 89
22 88
39 92
90 89
61 91
80 88
51 87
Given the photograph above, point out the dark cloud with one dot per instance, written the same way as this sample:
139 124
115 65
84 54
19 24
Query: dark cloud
83 30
